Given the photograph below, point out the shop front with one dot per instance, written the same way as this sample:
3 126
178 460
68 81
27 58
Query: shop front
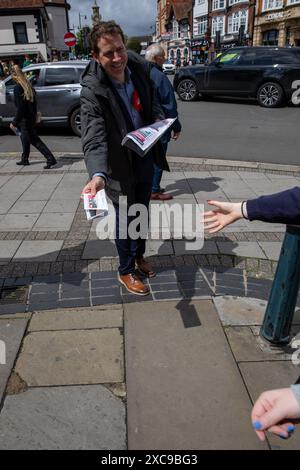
281 28
199 51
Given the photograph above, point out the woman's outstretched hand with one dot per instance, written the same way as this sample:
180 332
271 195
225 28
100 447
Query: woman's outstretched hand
225 214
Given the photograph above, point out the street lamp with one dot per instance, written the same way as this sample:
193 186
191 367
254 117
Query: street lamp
83 16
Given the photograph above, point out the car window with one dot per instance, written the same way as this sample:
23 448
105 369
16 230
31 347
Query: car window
285 57
60 76
33 76
247 58
80 72
263 58
230 58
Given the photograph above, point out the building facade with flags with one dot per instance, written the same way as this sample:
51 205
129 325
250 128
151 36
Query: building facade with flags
33 29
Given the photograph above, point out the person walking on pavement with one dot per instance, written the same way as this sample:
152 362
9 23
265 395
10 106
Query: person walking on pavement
275 410
25 119
118 97
166 97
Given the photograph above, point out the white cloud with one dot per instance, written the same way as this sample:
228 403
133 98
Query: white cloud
135 17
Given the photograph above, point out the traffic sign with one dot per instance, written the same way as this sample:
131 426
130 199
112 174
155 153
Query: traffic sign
70 39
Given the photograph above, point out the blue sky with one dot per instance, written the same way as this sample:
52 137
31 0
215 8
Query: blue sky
136 17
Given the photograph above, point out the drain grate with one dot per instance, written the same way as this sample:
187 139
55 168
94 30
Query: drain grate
14 295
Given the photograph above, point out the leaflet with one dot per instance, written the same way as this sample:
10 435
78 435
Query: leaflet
142 140
95 206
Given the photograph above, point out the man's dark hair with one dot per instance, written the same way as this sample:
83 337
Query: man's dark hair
101 29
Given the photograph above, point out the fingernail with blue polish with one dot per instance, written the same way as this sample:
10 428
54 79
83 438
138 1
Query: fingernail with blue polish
257 425
291 428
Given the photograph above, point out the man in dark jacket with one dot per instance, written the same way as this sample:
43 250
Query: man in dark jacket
118 97
166 97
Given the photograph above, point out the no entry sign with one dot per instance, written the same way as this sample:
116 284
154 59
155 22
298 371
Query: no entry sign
70 39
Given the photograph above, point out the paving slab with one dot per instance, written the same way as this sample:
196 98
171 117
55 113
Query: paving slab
240 311
271 249
54 221
63 418
61 206
77 319
179 379
248 346
71 357
96 249
247 249
37 250
261 376
16 222
8 248
11 335
208 247
42 188
21 207
159 247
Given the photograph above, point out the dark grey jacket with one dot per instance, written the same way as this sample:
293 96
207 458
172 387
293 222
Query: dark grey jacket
104 125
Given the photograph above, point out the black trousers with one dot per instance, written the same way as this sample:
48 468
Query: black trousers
128 249
29 137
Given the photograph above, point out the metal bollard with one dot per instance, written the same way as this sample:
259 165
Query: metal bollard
280 310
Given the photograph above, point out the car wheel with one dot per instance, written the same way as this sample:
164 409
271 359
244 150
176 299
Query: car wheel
270 95
187 90
75 122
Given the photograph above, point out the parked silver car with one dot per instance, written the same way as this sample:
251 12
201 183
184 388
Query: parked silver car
58 93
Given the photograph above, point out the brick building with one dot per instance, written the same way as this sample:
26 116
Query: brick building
277 23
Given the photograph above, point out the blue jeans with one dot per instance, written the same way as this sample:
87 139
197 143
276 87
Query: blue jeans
158 174
130 250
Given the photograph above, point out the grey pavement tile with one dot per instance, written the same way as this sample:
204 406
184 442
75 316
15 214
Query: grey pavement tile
169 295
42 188
189 247
164 287
241 311
77 319
53 278
61 206
37 305
248 347
8 249
159 279
132 298
106 299
70 303
44 288
72 357
54 222
21 207
158 361
100 283
197 292
230 290
271 249
246 249
64 418
38 250
96 249
75 293
9 309
159 247
104 275
11 335
15 222
261 376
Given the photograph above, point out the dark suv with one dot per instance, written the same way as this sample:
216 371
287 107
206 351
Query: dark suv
264 73
58 93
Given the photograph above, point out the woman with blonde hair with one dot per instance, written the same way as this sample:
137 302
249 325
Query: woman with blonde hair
25 119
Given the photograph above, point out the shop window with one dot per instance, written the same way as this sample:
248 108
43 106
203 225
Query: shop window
270 37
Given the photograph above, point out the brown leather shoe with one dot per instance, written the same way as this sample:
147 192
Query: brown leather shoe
133 284
161 197
145 267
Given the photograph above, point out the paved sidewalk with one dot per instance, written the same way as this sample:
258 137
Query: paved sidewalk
89 366
153 375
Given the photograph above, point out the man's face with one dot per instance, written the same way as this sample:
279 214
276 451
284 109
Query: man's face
112 56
